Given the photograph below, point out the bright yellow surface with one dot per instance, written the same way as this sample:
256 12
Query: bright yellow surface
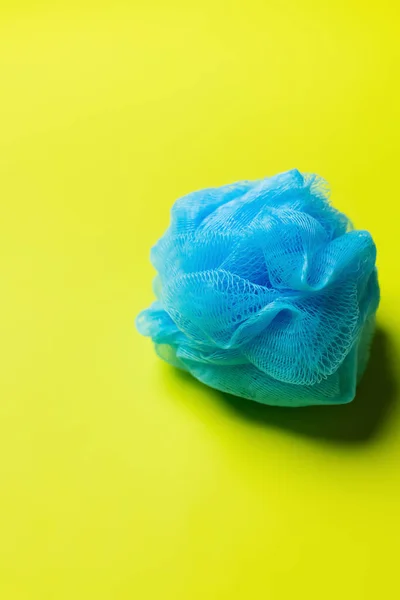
120 479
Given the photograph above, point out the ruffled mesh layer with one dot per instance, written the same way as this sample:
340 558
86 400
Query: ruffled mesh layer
265 291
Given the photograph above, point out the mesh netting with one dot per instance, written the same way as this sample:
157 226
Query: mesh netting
265 291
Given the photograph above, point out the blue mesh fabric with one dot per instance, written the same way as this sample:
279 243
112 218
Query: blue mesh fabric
265 291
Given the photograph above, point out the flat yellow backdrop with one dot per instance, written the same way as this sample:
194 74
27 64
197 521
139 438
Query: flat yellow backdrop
119 478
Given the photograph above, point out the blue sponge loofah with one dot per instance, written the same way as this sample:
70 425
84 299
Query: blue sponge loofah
265 291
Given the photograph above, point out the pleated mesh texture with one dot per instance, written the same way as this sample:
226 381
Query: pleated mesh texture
265 291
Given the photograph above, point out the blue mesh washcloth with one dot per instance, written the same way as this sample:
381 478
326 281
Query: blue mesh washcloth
265 291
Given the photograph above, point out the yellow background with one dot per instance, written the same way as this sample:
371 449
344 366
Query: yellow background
119 478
